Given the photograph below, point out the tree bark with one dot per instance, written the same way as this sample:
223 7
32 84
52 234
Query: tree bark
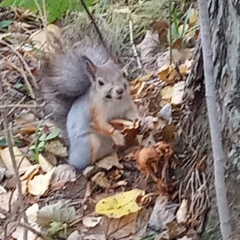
215 129
225 28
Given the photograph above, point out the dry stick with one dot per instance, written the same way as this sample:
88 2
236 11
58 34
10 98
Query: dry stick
215 129
133 45
23 62
10 146
170 29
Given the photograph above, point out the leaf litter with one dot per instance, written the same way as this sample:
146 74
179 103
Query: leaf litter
130 195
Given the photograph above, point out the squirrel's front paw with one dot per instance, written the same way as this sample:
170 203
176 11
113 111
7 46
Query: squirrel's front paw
118 138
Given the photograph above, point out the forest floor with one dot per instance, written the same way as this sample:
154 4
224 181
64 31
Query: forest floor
152 189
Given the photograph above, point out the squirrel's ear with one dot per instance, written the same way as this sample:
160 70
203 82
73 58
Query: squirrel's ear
90 67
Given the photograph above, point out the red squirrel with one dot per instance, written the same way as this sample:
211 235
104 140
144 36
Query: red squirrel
83 89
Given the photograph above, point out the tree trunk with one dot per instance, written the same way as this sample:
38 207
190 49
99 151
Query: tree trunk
225 29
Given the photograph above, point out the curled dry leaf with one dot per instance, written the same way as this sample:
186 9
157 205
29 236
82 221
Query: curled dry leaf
128 128
120 204
109 162
7 161
168 74
101 180
182 213
147 161
91 221
30 173
40 183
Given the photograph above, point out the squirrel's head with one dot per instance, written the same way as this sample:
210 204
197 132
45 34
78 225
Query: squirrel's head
108 80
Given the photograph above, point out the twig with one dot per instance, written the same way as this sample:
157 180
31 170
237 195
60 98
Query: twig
215 127
170 29
133 45
23 62
14 164
32 229
21 106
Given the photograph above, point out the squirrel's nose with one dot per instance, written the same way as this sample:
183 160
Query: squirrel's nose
119 90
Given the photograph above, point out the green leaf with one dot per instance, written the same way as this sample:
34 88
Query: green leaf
52 135
5 23
40 146
43 137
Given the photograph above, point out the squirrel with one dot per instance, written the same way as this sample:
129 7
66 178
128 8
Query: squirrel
84 88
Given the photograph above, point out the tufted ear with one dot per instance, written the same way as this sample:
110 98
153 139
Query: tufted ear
89 65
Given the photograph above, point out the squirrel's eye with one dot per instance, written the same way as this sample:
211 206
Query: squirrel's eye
100 82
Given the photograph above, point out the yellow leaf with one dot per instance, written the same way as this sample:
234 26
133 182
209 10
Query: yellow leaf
167 93
193 16
168 73
120 204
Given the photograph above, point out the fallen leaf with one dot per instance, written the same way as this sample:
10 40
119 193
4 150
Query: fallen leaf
32 213
91 221
120 204
167 93
60 211
101 180
63 173
182 212
39 39
31 171
178 91
166 112
192 17
44 164
40 183
28 130
56 147
6 158
110 162
168 132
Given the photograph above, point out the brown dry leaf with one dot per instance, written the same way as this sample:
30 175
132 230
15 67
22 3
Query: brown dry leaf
91 221
182 213
121 228
44 164
137 88
110 162
167 93
161 26
129 129
177 44
173 230
56 147
101 180
6 158
167 73
40 183
63 173
147 159
28 130
178 92
168 132
142 78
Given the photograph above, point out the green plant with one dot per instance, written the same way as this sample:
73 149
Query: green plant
176 23
54 8
39 144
